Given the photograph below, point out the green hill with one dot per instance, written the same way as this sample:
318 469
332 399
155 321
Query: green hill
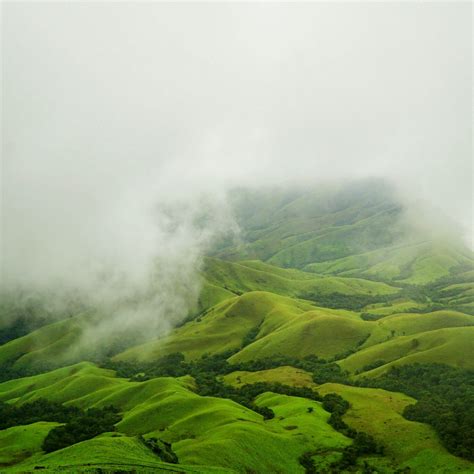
166 408
409 444
326 289
110 452
452 346
417 264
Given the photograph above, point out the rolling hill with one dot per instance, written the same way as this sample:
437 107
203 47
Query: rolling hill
278 368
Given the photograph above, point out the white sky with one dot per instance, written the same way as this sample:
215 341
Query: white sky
109 105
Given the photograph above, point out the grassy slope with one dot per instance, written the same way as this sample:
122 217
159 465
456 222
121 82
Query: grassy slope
223 327
314 332
50 341
108 451
277 448
342 237
339 241
406 324
297 328
240 277
20 442
286 375
379 413
397 306
166 408
298 227
452 346
285 326
408 443
414 263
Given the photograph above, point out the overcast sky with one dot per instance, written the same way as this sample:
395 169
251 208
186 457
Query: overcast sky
108 106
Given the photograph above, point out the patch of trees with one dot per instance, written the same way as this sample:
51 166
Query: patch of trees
372 317
350 302
363 444
79 424
175 365
161 448
209 385
20 326
8 371
372 365
330 372
445 401
38 410
250 336
86 425
430 295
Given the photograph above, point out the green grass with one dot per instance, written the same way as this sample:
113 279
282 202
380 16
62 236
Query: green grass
416 264
223 327
298 248
451 346
111 452
285 375
51 342
167 408
21 442
410 444
240 277
285 326
406 324
386 309
294 225
317 332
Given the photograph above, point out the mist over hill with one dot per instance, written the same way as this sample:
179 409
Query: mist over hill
236 238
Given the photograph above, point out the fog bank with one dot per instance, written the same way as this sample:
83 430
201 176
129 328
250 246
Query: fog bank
115 113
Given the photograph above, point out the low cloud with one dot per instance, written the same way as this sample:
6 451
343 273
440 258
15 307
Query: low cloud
125 124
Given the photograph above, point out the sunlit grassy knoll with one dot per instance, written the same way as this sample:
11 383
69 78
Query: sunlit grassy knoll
86 380
20 442
286 375
293 431
315 332
379 413
406 324
240 277
419 263
386 309
223 327
60 378
166 408
50 342
432 267
211 295
283 326
109 453
451 346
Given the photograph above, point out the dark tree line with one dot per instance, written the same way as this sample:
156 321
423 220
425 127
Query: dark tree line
363 443
79 424
87 425
445 401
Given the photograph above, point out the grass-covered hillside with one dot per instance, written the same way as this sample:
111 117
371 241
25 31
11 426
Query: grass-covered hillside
333 335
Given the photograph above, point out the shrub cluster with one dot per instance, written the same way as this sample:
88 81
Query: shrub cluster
445 401
79 424
86 425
